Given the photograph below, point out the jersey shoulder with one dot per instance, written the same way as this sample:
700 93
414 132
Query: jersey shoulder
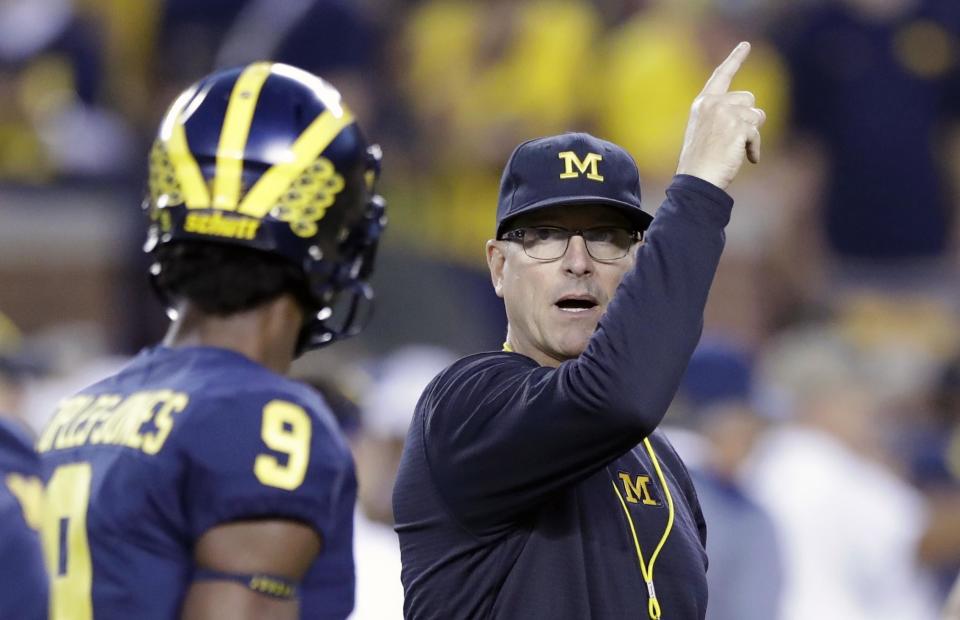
246 401
205 392
256 444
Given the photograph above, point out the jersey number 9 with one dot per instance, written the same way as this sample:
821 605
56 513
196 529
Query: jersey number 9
285 429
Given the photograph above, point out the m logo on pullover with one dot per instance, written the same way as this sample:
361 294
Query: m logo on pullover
637 489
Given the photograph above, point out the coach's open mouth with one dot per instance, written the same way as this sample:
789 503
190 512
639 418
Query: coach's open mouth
576 303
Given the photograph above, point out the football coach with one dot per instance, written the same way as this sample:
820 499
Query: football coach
534 483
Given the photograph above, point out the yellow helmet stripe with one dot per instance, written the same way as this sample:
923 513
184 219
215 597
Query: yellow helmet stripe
321 132
185 167
233 136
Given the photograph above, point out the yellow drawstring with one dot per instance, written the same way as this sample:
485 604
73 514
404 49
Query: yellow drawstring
653 605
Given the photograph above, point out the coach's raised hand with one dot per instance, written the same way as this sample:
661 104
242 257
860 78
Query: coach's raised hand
723 127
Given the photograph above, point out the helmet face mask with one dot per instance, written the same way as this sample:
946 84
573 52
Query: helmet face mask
267 157
345 293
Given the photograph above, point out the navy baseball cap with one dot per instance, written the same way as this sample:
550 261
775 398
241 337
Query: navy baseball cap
570 169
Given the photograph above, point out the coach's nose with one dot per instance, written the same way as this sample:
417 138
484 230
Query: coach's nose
576 260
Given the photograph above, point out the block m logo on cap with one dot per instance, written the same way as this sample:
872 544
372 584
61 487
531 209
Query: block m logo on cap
587 165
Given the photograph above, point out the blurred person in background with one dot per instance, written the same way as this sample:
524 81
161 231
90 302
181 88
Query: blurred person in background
51 100
908 344
388 389
23 577
75 358
931 442
395 384
936 457
952 609
473 80
652 63
479 78
198 482
715 399
852 531
16 366
875 98
338 39
649 63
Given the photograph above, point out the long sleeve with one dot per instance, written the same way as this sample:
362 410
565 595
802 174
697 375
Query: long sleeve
502 433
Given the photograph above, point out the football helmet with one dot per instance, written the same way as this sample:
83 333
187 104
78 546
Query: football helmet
269 157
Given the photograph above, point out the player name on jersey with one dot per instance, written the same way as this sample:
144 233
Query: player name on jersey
142 421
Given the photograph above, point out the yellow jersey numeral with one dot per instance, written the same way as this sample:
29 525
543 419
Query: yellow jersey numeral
65 545
286 429
29 492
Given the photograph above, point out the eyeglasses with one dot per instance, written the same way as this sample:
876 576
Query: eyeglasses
606 243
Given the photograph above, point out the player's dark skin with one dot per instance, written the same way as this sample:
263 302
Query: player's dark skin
267 335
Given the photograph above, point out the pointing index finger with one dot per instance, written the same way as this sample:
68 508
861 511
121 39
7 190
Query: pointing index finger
719 82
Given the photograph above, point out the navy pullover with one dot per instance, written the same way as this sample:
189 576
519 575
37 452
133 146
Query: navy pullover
517 480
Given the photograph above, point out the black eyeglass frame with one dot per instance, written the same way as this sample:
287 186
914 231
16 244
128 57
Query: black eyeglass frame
518 235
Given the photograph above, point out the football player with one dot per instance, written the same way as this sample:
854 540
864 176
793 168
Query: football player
23 579
198 482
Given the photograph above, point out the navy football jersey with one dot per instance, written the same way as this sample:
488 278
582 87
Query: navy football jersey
23 579
140 465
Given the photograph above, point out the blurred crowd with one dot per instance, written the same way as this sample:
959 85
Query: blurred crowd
821 414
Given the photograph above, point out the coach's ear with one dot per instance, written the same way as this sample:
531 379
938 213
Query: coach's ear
495 261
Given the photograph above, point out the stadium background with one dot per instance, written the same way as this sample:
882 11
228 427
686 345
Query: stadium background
838 286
